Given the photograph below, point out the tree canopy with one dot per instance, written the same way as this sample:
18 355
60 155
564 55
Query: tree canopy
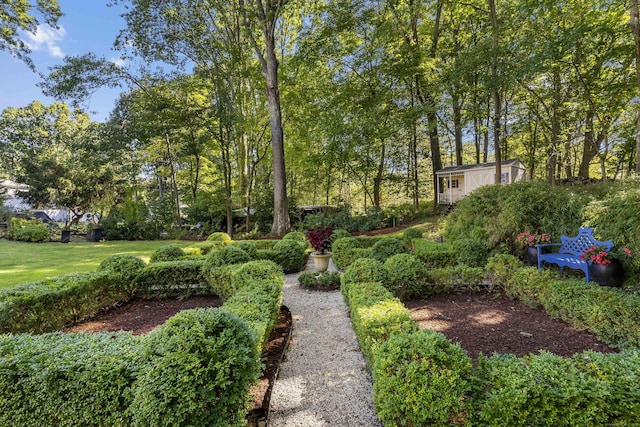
373 97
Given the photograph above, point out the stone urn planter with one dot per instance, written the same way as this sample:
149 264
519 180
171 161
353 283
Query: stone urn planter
320 240
321 261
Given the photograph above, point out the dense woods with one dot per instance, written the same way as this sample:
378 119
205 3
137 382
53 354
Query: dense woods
347 103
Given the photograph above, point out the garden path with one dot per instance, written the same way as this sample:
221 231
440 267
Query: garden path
323 380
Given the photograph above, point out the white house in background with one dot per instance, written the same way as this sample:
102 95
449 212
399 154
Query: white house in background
19 205
456 182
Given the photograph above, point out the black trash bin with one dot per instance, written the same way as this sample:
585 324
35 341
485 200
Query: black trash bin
66 236
94 235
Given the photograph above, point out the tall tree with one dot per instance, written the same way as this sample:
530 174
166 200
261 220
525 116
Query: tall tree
23 15
265 14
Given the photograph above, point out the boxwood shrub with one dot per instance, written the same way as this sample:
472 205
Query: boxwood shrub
200 365
346 250
167 253
226 256
290 255
366 270
376 315
407 275
194 370
49 305
387 247
171 279
434 254
422 379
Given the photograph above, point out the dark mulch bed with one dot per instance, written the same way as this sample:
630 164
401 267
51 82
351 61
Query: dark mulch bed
487 323
142 316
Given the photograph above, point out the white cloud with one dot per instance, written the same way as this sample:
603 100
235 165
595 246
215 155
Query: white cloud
47 38
119 62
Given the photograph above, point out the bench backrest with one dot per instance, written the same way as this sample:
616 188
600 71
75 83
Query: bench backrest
583 241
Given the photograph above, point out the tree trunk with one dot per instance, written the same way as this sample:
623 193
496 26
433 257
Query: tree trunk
590 148
267 14
635 27
377 181
495 92
457 124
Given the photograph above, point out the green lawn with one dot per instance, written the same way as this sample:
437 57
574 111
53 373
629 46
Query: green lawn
26 262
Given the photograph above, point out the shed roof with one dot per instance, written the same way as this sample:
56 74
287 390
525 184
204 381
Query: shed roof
487 165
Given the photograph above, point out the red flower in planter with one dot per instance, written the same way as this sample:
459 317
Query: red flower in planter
600 256
320 238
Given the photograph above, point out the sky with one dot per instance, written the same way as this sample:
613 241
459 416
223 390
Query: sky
87 26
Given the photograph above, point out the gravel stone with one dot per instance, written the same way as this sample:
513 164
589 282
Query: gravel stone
322 382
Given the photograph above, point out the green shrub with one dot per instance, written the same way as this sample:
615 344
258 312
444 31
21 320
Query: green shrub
387 247
290 255
249 247
49 305
434 254
590 389
26 230
67 379
219 237
226 256
126 265
205 247
615 217
343 251
167 253
421 379
411 233
376 315
327 281
501 268
339 233
297 236
201 364
495 214
172 278
472 252
366 270
407 275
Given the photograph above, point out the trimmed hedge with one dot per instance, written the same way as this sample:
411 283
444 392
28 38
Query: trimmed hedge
68 379
172 278
376 314
167 253
588 389
199 367
48 305
421 379
194 370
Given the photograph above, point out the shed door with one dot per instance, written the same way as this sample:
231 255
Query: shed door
479 179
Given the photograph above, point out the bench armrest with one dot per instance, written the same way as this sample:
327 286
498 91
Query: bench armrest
548 244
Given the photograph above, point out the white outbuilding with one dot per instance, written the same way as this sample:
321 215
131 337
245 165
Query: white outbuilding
456 182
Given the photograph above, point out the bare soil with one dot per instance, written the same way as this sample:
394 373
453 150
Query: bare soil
142 316
487 323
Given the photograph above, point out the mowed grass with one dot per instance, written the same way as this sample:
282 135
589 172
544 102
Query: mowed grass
27 262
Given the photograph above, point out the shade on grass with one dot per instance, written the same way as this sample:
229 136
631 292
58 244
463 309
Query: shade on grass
27 262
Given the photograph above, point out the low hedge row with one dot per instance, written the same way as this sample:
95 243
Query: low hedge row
49 305
196 369
422 379
609 313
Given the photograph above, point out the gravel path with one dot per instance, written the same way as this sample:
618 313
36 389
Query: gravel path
322 382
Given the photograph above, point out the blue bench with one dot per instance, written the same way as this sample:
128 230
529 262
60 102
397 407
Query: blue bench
570 250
